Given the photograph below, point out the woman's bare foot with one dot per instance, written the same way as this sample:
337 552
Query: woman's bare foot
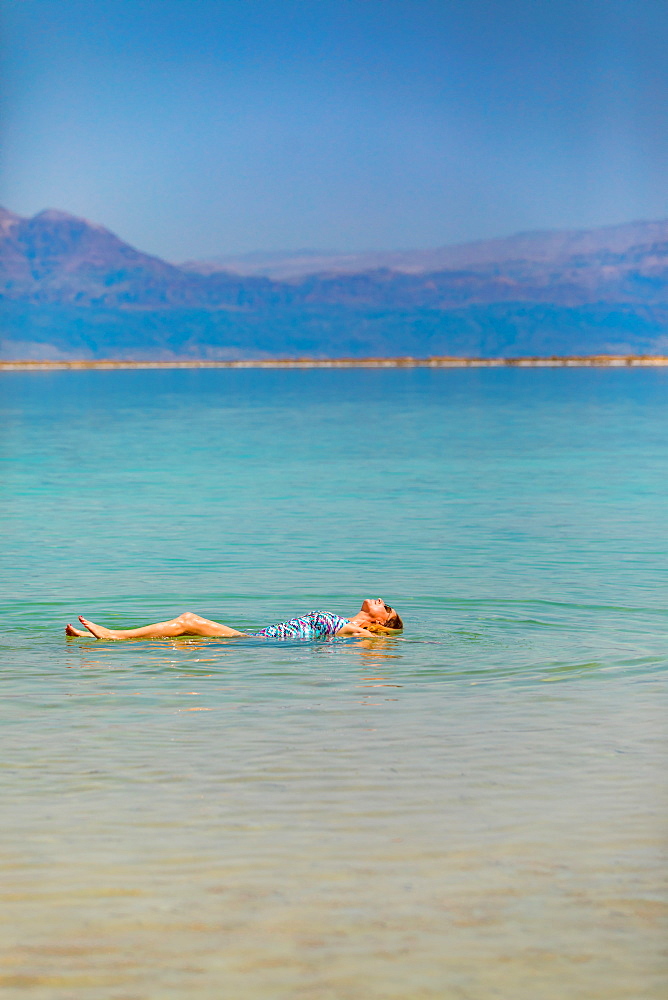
99 631
71 630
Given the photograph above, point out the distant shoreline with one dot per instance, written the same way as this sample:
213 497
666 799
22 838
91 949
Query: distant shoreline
585 361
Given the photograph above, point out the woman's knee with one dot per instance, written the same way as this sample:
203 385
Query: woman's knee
189 618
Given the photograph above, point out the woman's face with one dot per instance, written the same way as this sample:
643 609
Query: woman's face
377 609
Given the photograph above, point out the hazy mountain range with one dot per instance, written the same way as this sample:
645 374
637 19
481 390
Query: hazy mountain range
70 288
543 245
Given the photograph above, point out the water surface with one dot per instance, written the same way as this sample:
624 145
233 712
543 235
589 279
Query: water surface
476 809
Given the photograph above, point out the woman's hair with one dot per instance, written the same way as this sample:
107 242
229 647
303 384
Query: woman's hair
393 624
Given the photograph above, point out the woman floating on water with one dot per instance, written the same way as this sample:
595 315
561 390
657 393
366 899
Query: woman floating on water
373 617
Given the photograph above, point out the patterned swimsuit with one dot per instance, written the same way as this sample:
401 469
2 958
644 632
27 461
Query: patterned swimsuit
314 625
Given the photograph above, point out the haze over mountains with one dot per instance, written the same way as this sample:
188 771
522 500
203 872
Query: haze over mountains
72 289
541 245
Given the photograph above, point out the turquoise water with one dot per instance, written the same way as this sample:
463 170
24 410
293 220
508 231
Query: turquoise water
476 809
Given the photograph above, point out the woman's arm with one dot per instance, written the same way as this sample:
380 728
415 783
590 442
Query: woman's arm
351 629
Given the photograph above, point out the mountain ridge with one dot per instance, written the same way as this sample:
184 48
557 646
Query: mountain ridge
540 244
70 285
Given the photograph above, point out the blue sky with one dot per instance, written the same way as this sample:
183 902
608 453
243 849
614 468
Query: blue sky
201 127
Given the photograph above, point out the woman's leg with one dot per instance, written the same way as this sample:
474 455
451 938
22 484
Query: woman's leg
186 624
